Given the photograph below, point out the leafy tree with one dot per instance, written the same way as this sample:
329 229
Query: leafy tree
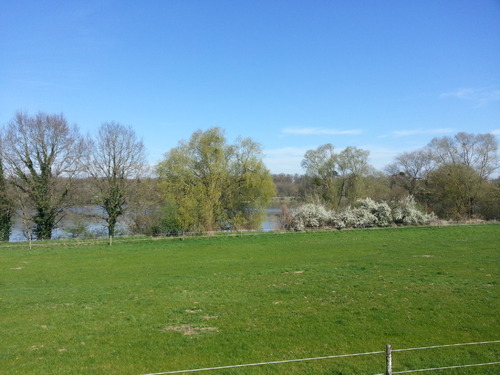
320 165
464 163
116 160
213 185
454 190
488 202
450 175
339 178
43 154
353 167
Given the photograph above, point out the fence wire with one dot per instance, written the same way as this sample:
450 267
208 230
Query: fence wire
345 356
266 363
444 368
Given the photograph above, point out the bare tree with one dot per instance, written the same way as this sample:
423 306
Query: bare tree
6 207
42 156
117 158
478 151
410 168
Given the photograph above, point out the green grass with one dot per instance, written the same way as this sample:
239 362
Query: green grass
87 308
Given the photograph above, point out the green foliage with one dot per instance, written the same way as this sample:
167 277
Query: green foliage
450 175
213 185
454 189
163 305
337 179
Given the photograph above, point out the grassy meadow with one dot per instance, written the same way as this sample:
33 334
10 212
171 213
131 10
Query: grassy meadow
155 305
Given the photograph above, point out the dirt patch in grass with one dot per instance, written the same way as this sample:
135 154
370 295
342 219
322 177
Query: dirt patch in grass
188 330
193 311
208 317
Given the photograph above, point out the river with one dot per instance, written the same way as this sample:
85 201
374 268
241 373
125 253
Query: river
88 218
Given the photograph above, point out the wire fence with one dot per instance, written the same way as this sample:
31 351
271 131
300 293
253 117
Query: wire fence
389 351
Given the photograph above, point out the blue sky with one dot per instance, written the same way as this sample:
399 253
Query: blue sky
386 76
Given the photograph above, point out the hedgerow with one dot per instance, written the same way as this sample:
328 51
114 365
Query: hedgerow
365 213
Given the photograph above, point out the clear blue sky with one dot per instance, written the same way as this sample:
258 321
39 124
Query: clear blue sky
386 76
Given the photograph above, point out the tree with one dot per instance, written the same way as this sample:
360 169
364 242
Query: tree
116 160
43 156
454 190
353 167
477 151
410 169
211 185
464 163
321 167
339 178
6 207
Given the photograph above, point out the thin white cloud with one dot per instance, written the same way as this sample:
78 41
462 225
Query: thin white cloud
407 133
496 132
480 96
286 151
320 131
285 159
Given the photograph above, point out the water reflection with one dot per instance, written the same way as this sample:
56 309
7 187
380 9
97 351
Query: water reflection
89 220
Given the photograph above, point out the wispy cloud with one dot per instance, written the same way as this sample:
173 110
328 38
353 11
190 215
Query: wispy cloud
408 133
480 96
320 131
285 159
496 132
286 151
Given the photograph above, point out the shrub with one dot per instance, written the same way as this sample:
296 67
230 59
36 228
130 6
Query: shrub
405 212
308 216
380 210
366 213
359 218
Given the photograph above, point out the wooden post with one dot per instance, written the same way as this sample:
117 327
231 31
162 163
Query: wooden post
388 360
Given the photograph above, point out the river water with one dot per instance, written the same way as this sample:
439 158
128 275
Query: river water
88 217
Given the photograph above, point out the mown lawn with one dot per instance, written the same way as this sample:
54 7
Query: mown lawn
145 306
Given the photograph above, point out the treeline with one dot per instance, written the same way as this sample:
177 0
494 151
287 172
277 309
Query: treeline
207 184
450 177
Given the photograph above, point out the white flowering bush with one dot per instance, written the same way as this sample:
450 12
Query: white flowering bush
405 212
337 220
380 210
366 213
359 218
310 216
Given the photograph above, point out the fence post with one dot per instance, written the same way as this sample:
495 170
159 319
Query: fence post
388 360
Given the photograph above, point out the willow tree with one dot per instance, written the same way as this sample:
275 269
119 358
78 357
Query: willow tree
320 165
339 177
114 165
42 155
353 167
211 185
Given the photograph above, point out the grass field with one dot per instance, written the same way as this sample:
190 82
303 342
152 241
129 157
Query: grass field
145 306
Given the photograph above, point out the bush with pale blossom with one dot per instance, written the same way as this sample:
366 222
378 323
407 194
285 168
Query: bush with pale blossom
365 214
405 212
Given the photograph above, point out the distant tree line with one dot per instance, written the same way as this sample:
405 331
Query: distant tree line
47 168
452 177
